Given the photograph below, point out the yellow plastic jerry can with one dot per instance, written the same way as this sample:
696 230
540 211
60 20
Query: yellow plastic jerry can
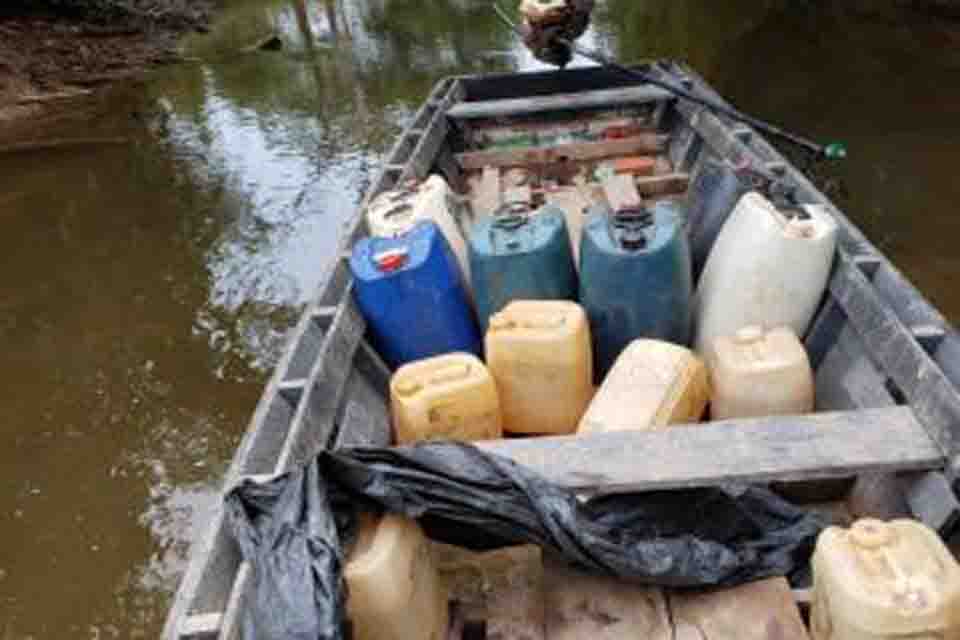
539 354
652 384
452 396
394 590
756 373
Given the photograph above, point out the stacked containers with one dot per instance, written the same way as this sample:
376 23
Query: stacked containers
768 267
517 254
397 279
451 396
879 580
394 213
393 585
759 373
635 278
539 355
652 385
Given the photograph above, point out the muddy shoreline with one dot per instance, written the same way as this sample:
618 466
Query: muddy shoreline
56 56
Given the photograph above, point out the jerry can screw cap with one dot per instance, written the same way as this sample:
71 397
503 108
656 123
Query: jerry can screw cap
870 533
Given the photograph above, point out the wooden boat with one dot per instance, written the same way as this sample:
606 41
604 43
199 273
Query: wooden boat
887 362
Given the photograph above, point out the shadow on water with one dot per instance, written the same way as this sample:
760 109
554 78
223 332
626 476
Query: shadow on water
147 287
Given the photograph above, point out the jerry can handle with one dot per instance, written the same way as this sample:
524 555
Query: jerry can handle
632 223
397 209
511 215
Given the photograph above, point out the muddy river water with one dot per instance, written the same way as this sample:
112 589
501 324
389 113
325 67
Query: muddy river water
147 285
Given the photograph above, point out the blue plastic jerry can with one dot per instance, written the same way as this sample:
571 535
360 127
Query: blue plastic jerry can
635 278
519 254
411 292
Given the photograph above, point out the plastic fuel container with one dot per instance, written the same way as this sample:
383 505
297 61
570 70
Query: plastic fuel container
884 580
397 279
395 212
757 373
635 279
393 585
540 356
653 384
518 254
769 267
452 397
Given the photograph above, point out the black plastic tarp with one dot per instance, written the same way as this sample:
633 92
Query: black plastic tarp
292 529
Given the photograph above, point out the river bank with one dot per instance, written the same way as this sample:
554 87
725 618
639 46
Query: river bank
53 53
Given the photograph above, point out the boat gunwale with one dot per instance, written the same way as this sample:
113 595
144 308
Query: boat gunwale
418 149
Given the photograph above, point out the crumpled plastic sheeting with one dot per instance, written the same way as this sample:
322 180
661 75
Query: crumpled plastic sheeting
464 496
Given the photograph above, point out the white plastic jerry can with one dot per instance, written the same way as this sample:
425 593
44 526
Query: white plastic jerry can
756 373
768 267
394 213
884 580
394 590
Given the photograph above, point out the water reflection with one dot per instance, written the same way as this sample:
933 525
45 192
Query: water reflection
147 288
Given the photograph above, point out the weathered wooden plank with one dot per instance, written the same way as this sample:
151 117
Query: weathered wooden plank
823 445
662 185
503 587
232 624
932 501
365 417
761 610
848 378
313 423
581 606
931 395
639 94
311 428
484 133
524 156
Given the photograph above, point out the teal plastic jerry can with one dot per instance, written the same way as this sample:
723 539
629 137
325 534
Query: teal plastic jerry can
635 278
518 254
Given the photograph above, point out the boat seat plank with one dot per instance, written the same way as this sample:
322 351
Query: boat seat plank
761 610
646 143
815 446
558 102
582 606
